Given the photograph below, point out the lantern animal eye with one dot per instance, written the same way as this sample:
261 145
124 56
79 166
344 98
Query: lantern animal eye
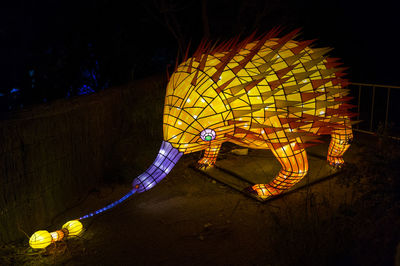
207 134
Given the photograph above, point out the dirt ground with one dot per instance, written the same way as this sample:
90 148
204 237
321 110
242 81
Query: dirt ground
190 219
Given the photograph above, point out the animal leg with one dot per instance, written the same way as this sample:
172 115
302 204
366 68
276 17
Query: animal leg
294 167
340 142
210 155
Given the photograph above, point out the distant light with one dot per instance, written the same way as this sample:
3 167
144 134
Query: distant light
85 89
13 90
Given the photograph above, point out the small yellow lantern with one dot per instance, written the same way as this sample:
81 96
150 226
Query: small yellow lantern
74 227
40 239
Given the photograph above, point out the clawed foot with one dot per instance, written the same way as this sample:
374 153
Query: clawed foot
263 191
250 190
204 163
335 162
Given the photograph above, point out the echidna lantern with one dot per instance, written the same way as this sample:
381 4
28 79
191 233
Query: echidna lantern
266 93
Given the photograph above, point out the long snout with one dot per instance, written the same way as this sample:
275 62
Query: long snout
166 159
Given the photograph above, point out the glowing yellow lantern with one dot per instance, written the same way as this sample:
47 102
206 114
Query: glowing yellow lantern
74 227
41 239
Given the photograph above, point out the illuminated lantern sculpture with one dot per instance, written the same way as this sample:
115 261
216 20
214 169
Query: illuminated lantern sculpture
73 227
261 93
41 239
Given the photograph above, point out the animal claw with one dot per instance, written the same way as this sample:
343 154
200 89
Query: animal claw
204 163
335 162
250 190
202 166
336 165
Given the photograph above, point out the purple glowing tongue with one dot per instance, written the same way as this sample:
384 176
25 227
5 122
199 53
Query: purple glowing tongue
166 159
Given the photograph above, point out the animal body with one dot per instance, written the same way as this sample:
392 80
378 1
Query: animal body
261 93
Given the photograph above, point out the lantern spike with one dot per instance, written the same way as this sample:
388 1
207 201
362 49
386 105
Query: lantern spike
250 55
282 72
320 52
301 46
294 58
189 69
276 83
293 88
282 41
306 96
302 76
223 86
312 63
246 86
187 51
232 99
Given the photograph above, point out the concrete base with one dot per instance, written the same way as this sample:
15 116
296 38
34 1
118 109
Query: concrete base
260 166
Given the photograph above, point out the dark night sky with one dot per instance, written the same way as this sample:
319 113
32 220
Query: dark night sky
52 37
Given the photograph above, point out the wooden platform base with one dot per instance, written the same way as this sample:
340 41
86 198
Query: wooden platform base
260 166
